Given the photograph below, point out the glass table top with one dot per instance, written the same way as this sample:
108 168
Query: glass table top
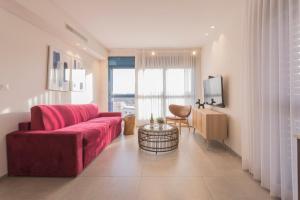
158 128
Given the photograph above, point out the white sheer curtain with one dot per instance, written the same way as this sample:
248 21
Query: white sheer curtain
163 79
272 94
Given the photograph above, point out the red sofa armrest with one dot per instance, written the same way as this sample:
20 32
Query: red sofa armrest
24 126
110 114
41 153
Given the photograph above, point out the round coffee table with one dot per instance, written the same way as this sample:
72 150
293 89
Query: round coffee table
158 138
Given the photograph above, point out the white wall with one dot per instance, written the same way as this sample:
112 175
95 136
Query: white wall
47 16
123 52
23 66
223 55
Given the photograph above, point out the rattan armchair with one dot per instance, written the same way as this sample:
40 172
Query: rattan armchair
180 118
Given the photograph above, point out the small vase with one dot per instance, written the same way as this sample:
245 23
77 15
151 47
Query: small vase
151 119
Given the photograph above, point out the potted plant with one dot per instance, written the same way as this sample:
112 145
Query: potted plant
160 121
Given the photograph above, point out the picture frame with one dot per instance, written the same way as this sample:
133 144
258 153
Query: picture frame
78 80
65 71
59 66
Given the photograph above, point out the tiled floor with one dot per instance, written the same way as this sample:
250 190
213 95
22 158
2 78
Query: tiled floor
122 172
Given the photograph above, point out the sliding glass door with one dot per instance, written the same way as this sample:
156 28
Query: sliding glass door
121 84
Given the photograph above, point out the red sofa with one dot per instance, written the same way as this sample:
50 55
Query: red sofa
60 140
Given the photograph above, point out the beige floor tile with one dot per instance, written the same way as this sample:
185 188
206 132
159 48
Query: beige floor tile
122 164
173 189
106 188
32 188
235 188
175 167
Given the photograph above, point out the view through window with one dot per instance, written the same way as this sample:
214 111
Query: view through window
121 85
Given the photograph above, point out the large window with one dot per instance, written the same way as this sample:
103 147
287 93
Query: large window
121 84
160 87
150 93
178 87
164 77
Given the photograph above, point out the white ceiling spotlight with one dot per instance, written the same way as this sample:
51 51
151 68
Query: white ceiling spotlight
153 53
212 27
194 53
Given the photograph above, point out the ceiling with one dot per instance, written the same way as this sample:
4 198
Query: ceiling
151 24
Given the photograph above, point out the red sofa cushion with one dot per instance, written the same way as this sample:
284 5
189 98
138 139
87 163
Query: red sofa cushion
52 117
114 125
91 132
95 137
113 121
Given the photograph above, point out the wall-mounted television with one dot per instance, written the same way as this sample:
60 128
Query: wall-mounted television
213 91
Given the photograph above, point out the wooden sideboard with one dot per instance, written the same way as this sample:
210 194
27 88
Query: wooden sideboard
212 125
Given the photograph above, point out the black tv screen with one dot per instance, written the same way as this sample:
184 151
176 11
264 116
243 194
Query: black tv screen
213 91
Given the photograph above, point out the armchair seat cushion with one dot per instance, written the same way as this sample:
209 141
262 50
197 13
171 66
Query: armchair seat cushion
175 118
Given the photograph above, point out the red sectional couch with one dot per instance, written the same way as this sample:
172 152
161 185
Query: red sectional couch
60 140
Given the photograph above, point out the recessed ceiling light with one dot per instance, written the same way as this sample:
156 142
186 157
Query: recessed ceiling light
212 27
194 52
206 34
153 53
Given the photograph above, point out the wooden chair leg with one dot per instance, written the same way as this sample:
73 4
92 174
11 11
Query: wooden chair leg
187 122
180 126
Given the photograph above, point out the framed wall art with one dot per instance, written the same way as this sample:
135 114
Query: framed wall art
59 66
